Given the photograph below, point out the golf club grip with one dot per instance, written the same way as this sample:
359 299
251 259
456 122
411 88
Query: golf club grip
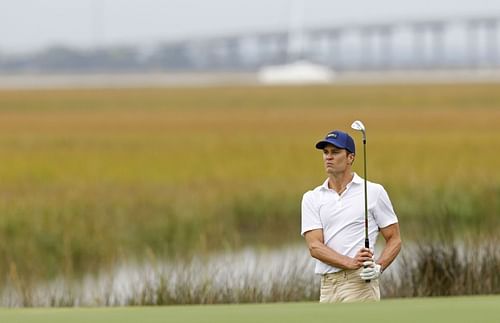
367 245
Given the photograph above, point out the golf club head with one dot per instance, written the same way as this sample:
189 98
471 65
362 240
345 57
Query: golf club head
359 126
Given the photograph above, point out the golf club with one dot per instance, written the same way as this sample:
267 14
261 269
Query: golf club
359 126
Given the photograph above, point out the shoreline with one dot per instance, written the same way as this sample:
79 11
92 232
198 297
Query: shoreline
214 79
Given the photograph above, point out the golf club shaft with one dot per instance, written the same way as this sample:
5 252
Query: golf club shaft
367 240
359 126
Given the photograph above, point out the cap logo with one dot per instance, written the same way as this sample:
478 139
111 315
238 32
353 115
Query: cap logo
332 135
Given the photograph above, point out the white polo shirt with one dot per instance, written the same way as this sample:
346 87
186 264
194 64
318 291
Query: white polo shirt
342 217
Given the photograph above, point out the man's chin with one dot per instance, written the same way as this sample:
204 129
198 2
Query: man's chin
331 171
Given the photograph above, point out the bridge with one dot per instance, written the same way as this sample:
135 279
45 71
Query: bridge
446 43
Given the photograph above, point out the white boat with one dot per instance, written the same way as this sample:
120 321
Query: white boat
298 72
295 71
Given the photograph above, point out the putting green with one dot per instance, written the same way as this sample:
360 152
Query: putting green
450 309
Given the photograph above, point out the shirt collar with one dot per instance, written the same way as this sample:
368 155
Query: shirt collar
355 179
325 184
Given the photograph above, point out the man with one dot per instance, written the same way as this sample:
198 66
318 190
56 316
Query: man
333 224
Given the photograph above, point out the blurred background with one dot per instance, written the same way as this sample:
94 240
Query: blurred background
109 37
156 152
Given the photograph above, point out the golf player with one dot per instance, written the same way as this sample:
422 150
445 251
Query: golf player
333 225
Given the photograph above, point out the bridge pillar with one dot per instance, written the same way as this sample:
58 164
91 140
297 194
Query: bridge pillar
472 43
367 53
419 46
492 42
335 49
386 47
438 58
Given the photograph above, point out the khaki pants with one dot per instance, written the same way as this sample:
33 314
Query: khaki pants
347 286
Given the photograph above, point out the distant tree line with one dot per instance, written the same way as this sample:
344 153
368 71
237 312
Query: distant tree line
125 58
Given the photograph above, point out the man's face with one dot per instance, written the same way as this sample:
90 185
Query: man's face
337 160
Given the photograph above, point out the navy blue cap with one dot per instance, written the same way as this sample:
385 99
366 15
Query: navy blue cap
339 139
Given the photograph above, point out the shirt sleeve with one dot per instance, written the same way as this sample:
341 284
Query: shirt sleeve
383 212
310 214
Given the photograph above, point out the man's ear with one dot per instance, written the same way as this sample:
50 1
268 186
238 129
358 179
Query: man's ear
351 158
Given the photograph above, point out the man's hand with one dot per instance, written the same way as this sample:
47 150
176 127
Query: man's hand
363 255
371 271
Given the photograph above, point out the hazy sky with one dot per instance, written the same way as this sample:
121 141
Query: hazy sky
27 25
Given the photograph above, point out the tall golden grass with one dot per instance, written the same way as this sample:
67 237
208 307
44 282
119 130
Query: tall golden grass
89 177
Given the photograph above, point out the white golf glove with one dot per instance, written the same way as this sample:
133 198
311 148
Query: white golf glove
370 271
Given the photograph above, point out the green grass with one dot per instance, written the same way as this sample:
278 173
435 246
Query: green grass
451 309
89 177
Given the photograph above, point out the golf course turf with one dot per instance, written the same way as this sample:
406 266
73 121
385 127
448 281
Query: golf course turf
451 309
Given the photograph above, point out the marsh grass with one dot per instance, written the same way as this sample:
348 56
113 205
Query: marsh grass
447 269
255 276
90 178
246 276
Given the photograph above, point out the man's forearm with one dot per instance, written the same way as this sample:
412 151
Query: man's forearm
390 252
329 256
